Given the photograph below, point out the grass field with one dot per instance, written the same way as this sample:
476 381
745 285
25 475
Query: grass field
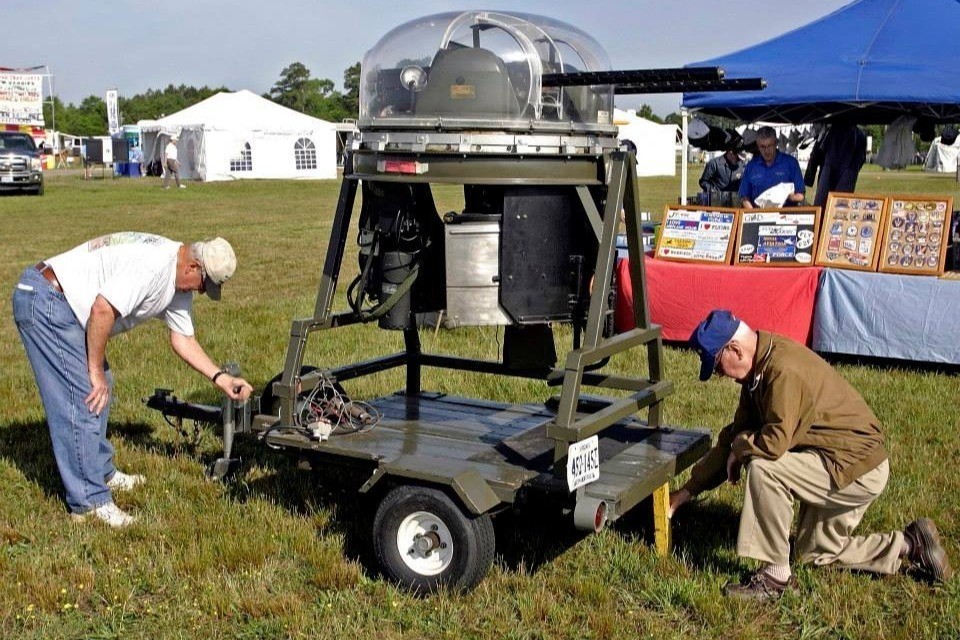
278 552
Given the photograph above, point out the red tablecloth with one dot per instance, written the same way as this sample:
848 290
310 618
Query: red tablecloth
680 295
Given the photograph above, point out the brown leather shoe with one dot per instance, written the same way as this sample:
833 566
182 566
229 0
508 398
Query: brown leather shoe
927 555
760 587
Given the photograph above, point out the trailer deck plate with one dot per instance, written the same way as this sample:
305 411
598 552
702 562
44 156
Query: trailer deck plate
508 446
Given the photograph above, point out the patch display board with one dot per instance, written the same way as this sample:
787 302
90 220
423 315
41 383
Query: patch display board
697 234
777 237
851 232
915 235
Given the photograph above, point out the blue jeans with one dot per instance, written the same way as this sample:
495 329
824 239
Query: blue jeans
56 346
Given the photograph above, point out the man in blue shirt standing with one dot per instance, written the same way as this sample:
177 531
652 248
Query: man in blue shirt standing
769 168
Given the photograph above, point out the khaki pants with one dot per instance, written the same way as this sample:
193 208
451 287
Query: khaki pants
173 168
827 518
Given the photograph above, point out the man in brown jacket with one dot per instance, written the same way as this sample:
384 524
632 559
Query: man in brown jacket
804 434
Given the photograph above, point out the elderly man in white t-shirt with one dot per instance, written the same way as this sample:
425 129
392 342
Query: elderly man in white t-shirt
171 163
67 307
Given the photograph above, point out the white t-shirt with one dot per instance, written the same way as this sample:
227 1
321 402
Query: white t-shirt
170 152
135 272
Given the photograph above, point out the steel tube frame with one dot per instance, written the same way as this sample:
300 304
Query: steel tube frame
615 169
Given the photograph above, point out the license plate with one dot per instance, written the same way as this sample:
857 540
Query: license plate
583 462
6 178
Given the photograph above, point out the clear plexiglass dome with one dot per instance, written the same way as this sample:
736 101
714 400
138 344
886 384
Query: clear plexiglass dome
482 69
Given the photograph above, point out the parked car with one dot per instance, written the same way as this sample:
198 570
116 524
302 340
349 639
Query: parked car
20 163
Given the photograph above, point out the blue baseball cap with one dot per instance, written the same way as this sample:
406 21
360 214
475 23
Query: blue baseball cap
711 336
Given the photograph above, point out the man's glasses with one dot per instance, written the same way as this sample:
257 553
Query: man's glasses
717 361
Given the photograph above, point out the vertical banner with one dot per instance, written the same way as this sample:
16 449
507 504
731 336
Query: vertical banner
21 99
113 112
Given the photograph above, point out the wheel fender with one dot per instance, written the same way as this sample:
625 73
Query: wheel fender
473 491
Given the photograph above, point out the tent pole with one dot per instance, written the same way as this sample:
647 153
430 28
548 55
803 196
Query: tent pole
684 116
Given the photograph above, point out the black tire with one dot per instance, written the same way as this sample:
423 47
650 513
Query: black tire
39 191
464 543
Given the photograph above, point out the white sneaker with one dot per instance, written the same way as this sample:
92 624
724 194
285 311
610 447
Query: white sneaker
124 481
183 186
109 513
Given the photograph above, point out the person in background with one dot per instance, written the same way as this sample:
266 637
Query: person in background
136 156
768 168
840 154
67 307
171 164
722 175
87 165
804 435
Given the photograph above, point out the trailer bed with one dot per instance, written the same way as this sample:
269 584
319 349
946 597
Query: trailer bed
433 435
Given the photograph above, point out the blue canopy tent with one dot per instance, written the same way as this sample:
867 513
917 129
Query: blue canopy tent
867 62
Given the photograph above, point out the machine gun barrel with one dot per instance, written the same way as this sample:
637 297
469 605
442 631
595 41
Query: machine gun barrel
677 80
736 84
634 76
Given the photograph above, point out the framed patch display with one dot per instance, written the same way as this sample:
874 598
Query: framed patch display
784 237
851 231
697 234
915 235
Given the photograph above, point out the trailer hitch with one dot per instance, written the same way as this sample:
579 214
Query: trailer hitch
234 415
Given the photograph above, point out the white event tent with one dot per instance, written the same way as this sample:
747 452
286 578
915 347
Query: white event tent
231 136
656 143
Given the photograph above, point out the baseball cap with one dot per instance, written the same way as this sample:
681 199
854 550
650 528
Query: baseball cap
219 262
712 335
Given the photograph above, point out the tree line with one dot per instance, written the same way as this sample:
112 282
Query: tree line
295 89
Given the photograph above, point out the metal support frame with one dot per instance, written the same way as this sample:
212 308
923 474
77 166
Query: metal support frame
288 386
618 171
411 340
684 151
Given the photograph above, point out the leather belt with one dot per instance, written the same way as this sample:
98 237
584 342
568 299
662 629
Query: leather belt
50 276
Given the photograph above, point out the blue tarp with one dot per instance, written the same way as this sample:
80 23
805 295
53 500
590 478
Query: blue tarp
871 61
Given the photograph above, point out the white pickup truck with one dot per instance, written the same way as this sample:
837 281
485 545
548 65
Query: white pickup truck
20 163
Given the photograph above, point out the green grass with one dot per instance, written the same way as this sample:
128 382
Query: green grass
276 553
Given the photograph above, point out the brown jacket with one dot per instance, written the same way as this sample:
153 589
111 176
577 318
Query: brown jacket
793 401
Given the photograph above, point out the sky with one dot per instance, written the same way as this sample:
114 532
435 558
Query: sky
134 45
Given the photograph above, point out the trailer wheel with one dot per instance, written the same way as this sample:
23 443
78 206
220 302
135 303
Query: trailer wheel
424 541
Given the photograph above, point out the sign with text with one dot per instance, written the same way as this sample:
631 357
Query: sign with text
697 234
113 112
21 98
777 237
583 462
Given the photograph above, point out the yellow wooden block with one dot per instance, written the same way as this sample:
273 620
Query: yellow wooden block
661 523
